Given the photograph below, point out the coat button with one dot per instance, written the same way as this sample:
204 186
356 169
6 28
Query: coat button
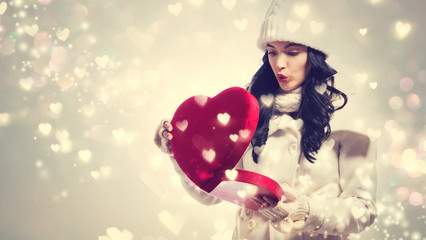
293 148
251 224
248 212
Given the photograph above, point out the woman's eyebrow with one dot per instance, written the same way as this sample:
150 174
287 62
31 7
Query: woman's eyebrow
293 44
269 45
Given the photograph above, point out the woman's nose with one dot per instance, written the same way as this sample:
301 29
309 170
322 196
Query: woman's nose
282 61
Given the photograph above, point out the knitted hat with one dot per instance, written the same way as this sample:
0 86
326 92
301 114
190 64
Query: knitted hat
297 21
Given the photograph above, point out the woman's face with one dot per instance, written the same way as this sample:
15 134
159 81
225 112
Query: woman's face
289 63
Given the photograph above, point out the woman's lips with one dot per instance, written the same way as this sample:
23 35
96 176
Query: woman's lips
282 77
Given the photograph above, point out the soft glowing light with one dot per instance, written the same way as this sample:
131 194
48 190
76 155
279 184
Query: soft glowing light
301 10
416 236
17 3
39 164
102 61
3 8
231 174
409 155
241 193
197 2
267 100
373 85
105 171
65 82
402 29
58 59
2 31
359 123
223 118
413 101
375 1
209 155
55 107
44 2
410 162
175 9
241 24
22 14
406 84
316 27
397 135
64 194
415 199
402 193
42 41
396 102
233 137
4 119
201 100
423 144
182 125
62 34
374 133
80 11
362 77
85 26
45 128
244 133
229 4
55 147
85 155
390 125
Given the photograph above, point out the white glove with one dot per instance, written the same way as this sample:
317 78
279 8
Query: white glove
163 136
292 209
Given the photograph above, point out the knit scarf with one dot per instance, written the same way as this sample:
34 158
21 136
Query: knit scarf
287 102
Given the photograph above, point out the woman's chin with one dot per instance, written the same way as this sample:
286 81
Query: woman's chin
288 87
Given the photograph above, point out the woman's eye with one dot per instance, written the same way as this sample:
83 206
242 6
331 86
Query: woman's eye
272 53
293 53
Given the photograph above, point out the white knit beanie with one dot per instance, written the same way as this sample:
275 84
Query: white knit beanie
301 21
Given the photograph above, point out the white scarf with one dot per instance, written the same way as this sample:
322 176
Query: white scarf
287 102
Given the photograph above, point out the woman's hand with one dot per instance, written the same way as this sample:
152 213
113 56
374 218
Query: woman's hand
168 129
163 136
264 202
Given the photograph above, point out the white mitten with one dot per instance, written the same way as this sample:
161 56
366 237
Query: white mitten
293 209
162 142
276 213
296 204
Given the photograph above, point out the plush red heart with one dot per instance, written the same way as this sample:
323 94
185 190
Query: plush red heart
210 135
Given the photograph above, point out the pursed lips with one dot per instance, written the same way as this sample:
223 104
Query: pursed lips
281 77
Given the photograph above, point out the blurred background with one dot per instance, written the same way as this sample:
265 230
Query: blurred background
84 84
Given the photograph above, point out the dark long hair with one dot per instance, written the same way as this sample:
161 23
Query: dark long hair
316 109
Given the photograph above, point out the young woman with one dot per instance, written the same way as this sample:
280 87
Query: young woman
328 177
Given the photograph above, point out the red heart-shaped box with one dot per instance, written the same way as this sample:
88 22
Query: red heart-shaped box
210 135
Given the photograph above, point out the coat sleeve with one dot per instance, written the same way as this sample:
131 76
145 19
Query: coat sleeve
193 190
355 208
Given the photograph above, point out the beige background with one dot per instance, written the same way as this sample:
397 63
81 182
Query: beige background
83 84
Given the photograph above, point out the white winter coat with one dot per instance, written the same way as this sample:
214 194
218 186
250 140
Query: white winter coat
340 185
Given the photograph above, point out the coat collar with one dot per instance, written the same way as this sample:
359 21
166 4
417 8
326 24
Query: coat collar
281 122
